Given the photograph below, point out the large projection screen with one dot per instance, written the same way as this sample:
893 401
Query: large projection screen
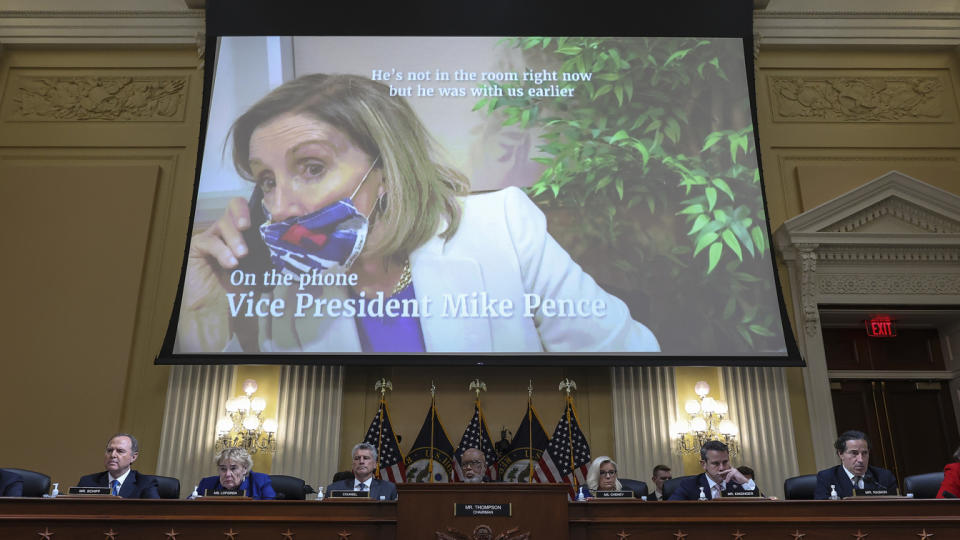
488 197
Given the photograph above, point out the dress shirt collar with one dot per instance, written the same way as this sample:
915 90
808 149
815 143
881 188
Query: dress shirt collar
122 478
367 483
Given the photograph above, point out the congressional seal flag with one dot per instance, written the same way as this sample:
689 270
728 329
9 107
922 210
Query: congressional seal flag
389 457
528 444
431 457
477 436
568 453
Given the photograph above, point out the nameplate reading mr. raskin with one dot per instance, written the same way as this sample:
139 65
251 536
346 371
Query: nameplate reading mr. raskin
89 491
625 494
872 492
348 494
483 509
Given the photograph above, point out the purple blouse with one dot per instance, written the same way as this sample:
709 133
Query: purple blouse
392 334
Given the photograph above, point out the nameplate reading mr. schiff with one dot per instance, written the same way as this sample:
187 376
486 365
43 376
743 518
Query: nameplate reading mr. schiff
483 509
89 491
348 494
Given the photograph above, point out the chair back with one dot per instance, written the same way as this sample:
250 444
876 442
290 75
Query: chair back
34 484
168 487
800 488
671 485
924 486
289 488
638 488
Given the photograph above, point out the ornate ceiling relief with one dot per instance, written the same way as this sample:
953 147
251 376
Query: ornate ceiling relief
857 99
900 283
97 97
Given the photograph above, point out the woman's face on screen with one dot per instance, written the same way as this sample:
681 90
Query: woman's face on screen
303 164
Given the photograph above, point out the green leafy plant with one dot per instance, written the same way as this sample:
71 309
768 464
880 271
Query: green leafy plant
651 178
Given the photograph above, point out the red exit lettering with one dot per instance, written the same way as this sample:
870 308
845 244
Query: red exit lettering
881 327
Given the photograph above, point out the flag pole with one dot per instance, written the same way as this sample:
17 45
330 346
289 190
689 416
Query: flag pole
382 385
530 431
568 385
433 421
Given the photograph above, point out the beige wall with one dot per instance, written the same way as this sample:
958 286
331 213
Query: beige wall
860 113
97 152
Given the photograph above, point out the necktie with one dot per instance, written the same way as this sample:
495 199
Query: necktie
361 487
856 482
716 491
116 487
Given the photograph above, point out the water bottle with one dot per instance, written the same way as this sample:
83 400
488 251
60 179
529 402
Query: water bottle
833 493
194 495
643 498
320 493
581 495
703 496
56 490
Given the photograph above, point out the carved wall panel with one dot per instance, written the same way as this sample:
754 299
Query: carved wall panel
130 97
886 98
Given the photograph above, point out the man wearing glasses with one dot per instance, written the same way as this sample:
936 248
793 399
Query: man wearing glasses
474 466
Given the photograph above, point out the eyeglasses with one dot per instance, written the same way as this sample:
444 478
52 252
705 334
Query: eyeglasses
476 464
608 473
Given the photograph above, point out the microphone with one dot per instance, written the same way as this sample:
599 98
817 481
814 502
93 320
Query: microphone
868 479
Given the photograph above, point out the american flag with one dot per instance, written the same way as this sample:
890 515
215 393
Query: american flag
556 465
477 436
389 457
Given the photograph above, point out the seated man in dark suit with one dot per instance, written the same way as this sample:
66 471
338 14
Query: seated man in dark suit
661 473
122 451
364 465
11 485
854 470
718 479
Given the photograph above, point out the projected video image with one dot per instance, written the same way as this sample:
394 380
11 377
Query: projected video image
462 195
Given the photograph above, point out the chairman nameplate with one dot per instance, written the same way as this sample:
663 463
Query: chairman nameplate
482 509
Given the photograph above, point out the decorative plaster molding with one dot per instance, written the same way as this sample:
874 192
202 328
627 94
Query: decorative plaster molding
853 28
857 99
900 209
887 255
101 27
808 287
97 97
924 284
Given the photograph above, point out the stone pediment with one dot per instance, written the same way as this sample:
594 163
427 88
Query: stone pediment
894 208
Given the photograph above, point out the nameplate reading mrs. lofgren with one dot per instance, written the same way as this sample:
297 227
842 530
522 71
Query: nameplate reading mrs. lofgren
483 509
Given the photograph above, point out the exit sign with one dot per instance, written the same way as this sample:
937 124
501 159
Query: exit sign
880 327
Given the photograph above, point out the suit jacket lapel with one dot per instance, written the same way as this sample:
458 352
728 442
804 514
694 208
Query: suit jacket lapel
129 485
438 276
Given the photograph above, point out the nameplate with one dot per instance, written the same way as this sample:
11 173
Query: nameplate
223 493
872 492
625 494
89 491
744 493
348 494
482 509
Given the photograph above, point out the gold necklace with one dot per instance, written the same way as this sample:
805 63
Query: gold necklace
405 279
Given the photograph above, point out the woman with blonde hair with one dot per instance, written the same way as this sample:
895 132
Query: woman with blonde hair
384 247
602 475
235 474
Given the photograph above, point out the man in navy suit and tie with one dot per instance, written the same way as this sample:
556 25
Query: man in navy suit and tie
719 478
122 451
854 470
364 465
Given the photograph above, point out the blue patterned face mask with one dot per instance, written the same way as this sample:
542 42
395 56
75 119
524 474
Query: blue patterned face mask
329 239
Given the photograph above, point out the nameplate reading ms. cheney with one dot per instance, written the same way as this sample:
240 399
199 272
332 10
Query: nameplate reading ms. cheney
483 509
625 494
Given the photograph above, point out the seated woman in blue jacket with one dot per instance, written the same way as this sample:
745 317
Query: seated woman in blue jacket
234 466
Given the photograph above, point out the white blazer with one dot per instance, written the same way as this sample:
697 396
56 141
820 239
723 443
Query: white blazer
502 249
